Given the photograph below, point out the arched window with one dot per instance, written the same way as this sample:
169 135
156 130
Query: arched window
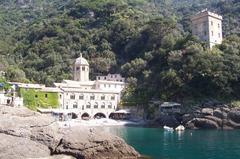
110 106
75 105
88 105
96 105
103 105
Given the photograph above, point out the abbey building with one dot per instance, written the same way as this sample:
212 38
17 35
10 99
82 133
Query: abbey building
81 96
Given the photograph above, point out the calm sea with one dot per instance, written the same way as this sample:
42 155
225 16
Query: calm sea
197 144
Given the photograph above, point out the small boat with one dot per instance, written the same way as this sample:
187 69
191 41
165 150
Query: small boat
168 128
180 128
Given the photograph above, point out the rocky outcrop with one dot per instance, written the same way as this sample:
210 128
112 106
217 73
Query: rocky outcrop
169 120
27 134
221 117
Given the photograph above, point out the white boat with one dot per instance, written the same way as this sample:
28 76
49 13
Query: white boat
180 128
168 128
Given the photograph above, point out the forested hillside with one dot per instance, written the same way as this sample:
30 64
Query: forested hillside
149 41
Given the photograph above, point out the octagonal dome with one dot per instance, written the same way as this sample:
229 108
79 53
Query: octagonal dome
81 61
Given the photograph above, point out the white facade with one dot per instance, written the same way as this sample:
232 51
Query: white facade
111 77
11 101
208 27
82 96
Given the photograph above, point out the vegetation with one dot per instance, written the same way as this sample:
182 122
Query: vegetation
36 98
149 41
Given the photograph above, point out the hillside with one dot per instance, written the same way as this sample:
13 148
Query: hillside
147 41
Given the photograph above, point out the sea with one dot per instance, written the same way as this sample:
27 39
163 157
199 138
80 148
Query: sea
157 143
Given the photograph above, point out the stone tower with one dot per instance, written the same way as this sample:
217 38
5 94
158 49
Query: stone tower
81 69
208 27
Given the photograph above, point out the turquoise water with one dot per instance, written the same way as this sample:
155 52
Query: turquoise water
198 144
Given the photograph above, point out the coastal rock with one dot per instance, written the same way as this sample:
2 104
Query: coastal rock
234 115
12 147
42 132
169 120
201 123
95 146
187 117
220 113
207 111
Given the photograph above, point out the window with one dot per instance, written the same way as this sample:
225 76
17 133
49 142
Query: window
109 106
99 78
78 68
103 106
60 96
211 22
46 96
219 35
81 97
109 85
102 97
83 68
72 96
218 25
92 97
104 85
95 105
112 97
105 78
88 106
205 33
212 33
75 105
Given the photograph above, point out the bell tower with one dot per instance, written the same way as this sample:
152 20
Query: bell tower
81 69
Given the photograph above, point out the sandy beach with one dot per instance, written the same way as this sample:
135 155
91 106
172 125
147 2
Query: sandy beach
97 122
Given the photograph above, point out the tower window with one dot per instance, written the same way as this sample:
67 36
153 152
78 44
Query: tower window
212 33
211 22
205 33
77 68
83 68
218 25
219 35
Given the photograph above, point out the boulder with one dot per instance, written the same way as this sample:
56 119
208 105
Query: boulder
201 123
219 113
187 117
234 115
207 111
